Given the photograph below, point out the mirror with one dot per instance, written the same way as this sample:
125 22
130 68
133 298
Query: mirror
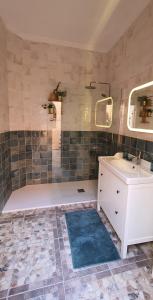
140 108
103 112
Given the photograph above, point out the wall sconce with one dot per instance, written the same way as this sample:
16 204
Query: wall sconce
55 96
51 110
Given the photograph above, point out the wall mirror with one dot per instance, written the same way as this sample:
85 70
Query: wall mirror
140 108
103 112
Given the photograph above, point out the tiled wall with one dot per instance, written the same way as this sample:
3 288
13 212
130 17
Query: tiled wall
33 160
5 171
134 146
34 69
31 157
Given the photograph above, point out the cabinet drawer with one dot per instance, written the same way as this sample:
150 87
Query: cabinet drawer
113 197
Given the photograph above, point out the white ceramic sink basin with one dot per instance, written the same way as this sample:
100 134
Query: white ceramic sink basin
128 171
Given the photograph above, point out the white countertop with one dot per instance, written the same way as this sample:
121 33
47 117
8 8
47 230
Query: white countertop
128 171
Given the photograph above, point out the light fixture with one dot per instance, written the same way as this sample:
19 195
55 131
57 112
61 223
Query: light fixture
140 87
107 104
55 96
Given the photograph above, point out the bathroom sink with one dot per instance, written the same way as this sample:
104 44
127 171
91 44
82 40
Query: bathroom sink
128 171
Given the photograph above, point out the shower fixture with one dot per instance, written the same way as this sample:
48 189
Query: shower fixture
92 86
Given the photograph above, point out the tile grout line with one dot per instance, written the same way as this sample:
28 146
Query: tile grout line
112 275
87 275
28 291
136 267
130 263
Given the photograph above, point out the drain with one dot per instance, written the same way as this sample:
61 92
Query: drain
81 191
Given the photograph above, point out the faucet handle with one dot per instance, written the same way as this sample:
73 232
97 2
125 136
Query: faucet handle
138 158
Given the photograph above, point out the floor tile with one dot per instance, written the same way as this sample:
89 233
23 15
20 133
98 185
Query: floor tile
55 292
36 256
90 287
36 262
133 281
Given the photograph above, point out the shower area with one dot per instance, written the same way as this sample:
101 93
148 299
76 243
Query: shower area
59 165
51 142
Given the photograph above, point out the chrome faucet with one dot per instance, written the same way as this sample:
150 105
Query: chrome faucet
137 159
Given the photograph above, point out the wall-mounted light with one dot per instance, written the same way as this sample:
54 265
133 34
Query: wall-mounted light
57 94
145 105
51 110
104 112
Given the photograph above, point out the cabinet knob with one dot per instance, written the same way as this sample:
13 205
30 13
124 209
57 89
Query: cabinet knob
101 174
117 191
116 212
100 190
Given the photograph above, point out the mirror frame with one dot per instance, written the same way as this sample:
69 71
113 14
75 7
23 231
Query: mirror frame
130 95
102 100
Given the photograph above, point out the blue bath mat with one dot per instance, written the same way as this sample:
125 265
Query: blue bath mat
89 240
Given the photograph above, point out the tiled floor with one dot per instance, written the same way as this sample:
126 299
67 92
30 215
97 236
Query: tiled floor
35 262
48 195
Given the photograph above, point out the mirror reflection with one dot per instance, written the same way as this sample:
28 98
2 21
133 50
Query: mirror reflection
140 109
103 112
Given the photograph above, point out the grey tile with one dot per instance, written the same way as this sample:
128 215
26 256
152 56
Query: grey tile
3 293
90 287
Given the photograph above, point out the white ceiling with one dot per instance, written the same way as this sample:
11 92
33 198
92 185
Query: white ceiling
86 24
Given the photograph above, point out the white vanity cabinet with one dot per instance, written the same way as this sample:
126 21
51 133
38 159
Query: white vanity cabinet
129 207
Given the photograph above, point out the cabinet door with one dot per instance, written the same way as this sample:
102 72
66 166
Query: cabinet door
140 213
113 197
102 182
119 205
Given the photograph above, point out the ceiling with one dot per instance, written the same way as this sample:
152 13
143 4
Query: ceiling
86 24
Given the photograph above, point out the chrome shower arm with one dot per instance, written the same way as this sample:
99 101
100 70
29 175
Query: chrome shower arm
109 86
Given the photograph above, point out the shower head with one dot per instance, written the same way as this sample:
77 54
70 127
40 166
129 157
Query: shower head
90 86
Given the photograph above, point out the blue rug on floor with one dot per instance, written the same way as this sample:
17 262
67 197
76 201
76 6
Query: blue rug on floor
89 239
